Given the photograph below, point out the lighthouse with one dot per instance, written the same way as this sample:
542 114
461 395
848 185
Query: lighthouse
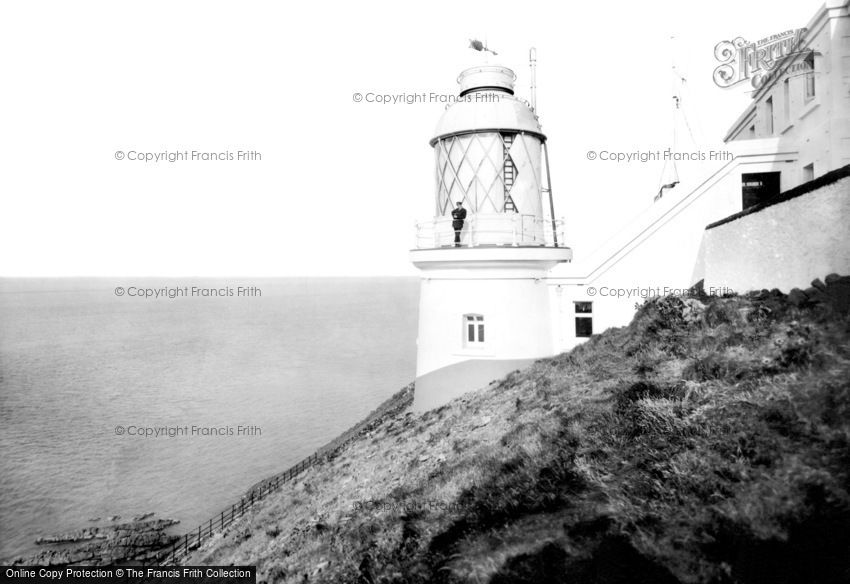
484 307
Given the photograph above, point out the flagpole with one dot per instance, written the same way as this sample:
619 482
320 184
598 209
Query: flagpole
532 61
676 97
551 202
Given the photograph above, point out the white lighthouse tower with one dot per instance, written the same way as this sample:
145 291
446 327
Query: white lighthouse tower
484 306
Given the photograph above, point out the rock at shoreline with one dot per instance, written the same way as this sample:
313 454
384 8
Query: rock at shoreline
104 545
143 516
85 534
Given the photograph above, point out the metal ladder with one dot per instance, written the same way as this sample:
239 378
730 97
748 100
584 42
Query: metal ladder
509 173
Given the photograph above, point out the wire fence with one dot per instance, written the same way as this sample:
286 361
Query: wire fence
192 540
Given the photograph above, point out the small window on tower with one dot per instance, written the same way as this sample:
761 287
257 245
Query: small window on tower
473 329
584 318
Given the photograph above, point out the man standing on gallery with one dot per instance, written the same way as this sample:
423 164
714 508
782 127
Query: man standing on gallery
458 216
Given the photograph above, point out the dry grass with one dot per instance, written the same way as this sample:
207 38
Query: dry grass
703 443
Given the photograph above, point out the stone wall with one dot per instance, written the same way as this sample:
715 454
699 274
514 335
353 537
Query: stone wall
785 243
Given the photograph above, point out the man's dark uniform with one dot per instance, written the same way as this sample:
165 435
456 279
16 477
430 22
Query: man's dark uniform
458 215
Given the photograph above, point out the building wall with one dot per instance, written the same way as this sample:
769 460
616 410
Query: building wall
514 302
657 256
783 246
443 385
515 307
667 250
818 128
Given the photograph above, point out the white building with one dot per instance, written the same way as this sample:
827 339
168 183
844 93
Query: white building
796 130
484 304
774 216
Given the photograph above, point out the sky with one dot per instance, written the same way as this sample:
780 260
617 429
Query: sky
340 184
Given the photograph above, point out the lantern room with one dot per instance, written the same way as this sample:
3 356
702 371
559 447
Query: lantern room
488 152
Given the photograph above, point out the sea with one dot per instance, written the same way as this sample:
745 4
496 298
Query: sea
98 376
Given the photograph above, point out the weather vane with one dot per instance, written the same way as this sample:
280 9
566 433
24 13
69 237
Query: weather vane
479 46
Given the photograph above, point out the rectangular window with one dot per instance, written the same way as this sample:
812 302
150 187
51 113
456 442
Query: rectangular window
768 116
809 172
786 91
810 75
584 326
474 324
758 187
584 323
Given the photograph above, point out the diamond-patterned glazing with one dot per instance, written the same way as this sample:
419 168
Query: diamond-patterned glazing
471 168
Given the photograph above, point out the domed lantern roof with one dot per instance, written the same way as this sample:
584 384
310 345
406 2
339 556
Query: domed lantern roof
487 104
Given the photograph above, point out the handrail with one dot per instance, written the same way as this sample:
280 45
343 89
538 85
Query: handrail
654 222
491 229
183 545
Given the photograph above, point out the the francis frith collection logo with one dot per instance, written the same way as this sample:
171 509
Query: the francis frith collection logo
741 60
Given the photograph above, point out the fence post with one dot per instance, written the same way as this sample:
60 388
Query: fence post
256 495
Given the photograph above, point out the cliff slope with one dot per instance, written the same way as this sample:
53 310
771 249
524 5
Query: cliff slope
708 441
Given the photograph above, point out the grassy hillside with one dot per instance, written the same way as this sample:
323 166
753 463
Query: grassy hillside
708 441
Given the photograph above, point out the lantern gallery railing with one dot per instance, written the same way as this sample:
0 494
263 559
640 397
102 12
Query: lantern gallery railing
497 229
